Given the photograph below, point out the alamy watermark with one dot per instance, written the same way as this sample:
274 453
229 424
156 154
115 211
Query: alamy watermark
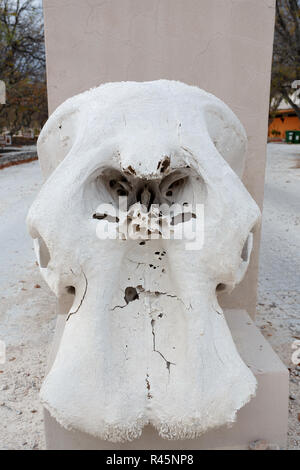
159 221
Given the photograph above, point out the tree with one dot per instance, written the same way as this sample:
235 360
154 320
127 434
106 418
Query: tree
286 53
22 65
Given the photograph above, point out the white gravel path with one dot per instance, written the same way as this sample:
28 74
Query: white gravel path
26 313
278 309
27 307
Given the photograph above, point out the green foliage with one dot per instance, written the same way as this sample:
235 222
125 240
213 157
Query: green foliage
275 133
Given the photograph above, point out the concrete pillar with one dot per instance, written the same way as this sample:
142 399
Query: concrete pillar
223 46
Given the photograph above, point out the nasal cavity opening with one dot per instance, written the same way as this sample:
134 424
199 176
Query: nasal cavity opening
146 196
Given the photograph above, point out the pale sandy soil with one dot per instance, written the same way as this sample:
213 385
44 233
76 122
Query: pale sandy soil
27 315
278 309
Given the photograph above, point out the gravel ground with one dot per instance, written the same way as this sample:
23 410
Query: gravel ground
27 307
26 314
278 309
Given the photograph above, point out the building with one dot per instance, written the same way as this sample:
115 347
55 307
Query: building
285 119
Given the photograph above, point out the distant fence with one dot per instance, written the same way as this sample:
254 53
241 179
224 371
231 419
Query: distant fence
5 140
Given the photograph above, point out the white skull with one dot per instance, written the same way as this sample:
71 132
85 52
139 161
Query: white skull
145 341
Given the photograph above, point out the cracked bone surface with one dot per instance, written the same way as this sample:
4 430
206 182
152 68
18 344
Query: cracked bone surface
145 340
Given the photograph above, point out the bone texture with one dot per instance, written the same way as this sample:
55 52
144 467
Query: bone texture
145 340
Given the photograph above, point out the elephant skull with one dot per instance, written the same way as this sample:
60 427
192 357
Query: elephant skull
145 341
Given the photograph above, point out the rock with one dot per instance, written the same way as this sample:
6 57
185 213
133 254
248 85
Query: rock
292 396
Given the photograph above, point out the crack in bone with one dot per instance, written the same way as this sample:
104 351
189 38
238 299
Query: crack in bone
136 262
131 294
168 363
141 290
149 396
81 302
157 293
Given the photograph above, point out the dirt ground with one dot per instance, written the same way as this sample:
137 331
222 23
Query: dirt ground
27 308
278 308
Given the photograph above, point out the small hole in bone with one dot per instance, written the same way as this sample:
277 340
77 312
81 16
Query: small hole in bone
131 170
112 183
181 218
164 164
122 192
169 193
108 217
99 216
221 287
71 290
131 294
